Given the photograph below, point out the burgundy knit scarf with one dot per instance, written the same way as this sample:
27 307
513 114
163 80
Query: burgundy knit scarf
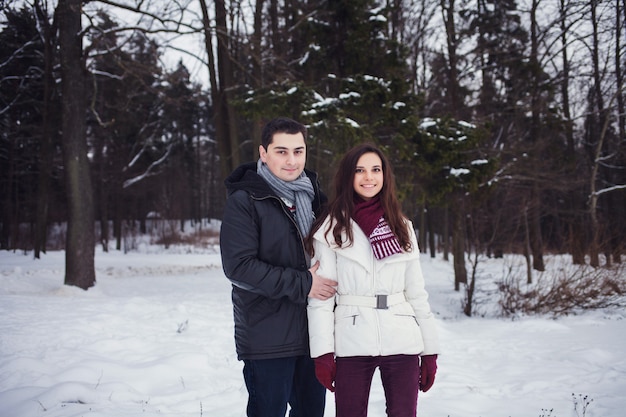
370 217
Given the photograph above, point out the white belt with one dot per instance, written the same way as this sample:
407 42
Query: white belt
380 301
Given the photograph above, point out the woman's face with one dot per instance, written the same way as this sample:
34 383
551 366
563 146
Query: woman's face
368 176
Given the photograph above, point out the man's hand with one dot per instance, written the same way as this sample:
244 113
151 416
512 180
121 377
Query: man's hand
321 288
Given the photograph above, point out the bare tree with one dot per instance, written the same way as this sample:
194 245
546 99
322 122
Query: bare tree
48 31
417 33
576 246
79 251
619 75
454 109
222 81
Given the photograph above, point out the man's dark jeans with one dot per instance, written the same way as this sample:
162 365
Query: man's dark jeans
272 383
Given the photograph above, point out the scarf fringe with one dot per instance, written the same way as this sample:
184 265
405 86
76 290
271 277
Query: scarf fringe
384 242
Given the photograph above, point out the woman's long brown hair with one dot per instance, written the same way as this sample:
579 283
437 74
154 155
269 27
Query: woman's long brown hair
341 207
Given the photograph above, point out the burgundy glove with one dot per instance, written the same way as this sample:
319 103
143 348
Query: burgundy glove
428 369
325 370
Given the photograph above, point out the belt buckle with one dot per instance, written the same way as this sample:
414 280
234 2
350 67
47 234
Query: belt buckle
381 302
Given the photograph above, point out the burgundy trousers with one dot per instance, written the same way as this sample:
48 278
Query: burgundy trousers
400 376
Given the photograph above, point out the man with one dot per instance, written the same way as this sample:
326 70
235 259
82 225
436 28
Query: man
269 210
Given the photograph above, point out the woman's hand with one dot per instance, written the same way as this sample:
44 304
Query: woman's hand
325 370
428 369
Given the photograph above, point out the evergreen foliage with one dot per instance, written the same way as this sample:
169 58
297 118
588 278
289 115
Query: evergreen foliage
480 114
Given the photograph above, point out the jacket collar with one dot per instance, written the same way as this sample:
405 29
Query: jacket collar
246 178
361 251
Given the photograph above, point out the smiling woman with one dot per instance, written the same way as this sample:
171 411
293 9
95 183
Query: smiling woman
381 319
368 176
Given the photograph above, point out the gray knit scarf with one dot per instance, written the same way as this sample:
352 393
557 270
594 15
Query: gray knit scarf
299 191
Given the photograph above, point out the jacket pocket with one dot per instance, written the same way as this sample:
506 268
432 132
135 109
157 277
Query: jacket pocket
401 333
261 309
355 333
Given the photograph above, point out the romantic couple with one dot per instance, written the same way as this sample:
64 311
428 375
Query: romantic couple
324 292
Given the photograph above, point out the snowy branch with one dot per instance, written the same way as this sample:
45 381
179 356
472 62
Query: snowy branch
150 171
609 189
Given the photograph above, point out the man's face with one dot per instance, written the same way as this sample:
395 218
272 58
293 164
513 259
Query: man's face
285 156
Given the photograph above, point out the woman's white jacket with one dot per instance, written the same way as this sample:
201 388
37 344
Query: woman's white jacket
345 326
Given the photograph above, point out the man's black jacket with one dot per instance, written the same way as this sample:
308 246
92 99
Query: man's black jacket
264 258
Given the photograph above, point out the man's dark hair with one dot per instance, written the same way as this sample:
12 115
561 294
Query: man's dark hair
281 125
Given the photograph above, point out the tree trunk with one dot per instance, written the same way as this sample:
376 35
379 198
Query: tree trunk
446 233
534 227
45 150
431 233
458 247
257 73
596 233
575 230
527 247
621 106
618 202
576 239
80 241
422 229
454 98
118 231
569 123
224 117
448 10
9 223
534 222
104 217
469 292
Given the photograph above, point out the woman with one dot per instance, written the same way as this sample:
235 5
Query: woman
380 317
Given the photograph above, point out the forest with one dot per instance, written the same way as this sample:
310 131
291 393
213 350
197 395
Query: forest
504 120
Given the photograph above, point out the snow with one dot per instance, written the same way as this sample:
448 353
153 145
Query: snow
467 125
427 122
154 337
457 172
351 122
377 18
349 95
479 162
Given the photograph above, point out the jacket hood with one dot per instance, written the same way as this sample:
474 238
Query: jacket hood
246 178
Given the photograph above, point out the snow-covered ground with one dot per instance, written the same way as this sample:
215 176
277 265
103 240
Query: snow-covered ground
154 337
